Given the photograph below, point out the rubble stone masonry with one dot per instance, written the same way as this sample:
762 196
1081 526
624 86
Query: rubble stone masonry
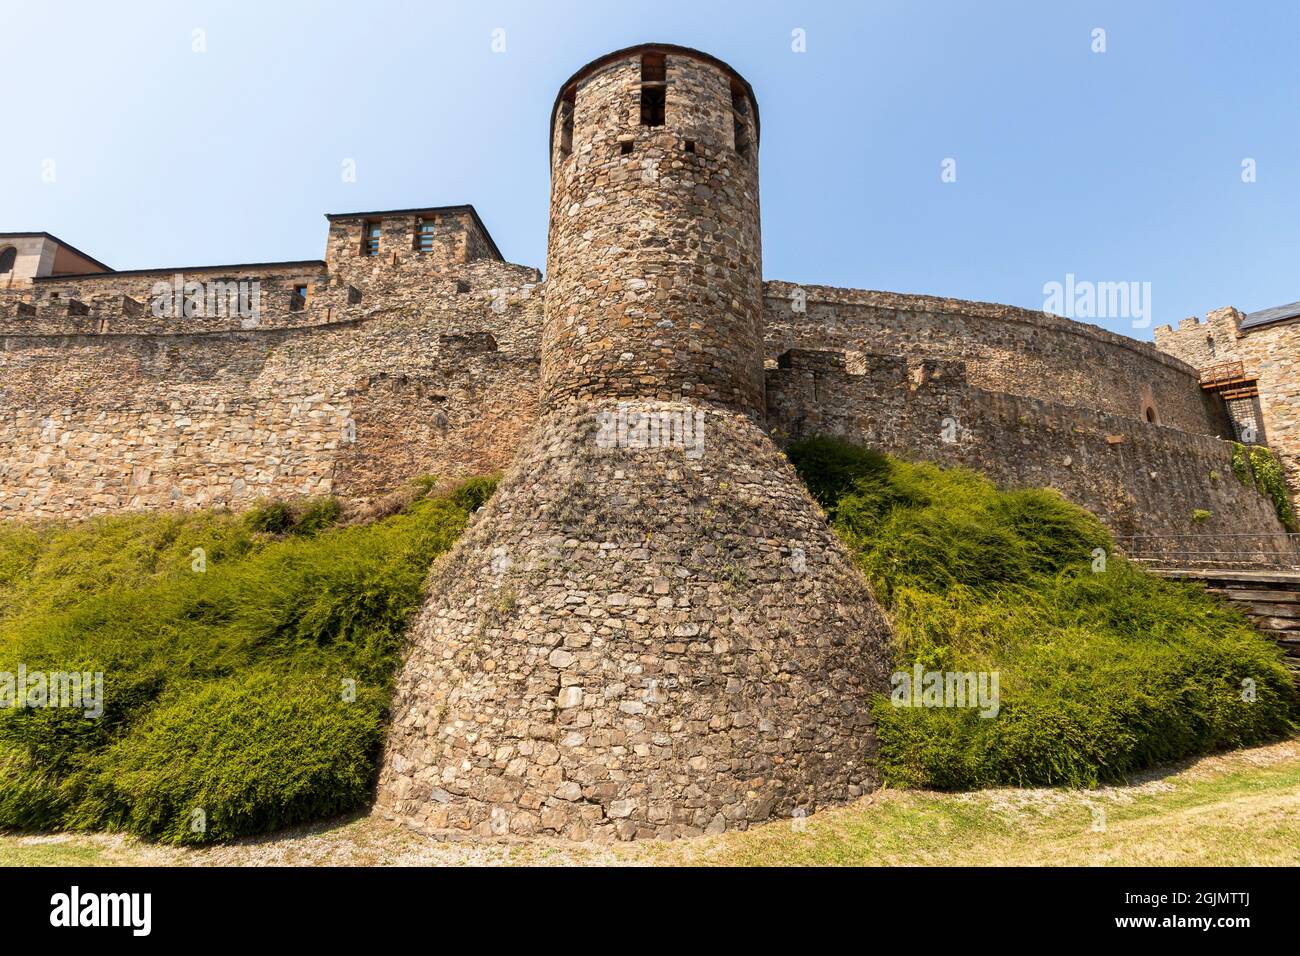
351 400
648 635
1269 355
1137 477
161 413
654 263
634 638
637 643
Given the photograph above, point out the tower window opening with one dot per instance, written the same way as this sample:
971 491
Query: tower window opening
625 147
1151 415
370 239
566 124
740 119
424 235
298 298
7 259
654 84
690 146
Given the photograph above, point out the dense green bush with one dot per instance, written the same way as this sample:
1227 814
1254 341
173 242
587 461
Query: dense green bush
1267 471
247 679
1101 671
1258 468
254 752
306 517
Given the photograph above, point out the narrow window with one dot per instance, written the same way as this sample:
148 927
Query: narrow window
370 239
7 260
740 119
298 298
625 147
424 235
566 124
1151 415
690 146
654 80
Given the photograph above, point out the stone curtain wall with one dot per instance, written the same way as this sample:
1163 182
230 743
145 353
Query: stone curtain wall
186 453
1137 477
1006 349
94 422
1269 354
434 357
351 403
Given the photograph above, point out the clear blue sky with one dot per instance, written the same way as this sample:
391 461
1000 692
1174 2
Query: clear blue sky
1118 166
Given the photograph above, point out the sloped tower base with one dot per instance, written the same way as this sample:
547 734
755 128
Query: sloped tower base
637 643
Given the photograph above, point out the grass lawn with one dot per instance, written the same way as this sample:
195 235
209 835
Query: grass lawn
1235 809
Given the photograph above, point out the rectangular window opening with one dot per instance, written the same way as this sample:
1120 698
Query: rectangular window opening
424 235
298 298
625 147
740 119
690 146
566 124
370 239
654 82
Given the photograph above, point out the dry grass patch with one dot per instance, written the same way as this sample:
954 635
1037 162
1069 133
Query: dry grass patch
1235 809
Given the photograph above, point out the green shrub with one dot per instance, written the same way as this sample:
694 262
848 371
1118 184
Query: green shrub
51 566
1270 480
307 517
275 517
268 632
1100 673
248 754
317 515
831 468
473 494
1241 464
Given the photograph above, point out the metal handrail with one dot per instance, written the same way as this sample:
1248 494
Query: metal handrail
1272 550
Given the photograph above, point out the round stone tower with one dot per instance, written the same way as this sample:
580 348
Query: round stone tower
649 631
654 269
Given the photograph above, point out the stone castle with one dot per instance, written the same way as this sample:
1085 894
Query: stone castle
649 630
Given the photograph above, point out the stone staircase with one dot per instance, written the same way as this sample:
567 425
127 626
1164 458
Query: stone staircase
1270 598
